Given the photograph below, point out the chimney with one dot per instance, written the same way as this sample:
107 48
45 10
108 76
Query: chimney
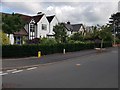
68 22
39 13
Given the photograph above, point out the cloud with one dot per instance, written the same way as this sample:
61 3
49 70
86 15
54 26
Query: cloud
89 13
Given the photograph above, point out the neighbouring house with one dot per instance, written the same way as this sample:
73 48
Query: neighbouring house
78 28
37 26
74 28
69 28
89 29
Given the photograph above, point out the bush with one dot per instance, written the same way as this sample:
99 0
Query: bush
32 50
117 41
48 41
4 39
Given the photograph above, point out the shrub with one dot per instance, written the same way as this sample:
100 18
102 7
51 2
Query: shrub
48 41
4 39
32 50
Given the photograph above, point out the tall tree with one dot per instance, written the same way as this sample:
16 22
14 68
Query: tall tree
60 33
105 35
115 23
11 23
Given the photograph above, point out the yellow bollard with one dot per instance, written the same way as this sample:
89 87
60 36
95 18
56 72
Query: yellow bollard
39 54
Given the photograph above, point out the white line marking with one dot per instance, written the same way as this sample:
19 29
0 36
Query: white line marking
31 68
17 71
3 73
11 70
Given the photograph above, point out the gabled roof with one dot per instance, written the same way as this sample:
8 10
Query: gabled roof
26 18
76 27
69 27
22 32
37 18
50 18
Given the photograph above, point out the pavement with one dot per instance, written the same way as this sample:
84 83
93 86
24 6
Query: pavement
19 63
96 70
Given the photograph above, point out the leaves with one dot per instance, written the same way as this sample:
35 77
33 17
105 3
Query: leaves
3 38
12 23
60 33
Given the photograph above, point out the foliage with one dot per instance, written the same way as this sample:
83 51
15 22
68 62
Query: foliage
105 35
117 41
32 50
4 39
48 41
33 41
114 23
60 33
76 37
11 23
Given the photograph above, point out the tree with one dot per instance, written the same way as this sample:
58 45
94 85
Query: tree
105 35
77 37
60 33
12 23
115 23
4 39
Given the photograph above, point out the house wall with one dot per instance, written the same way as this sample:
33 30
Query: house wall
69 33
81 30
52 24
11 38
26 27
40 32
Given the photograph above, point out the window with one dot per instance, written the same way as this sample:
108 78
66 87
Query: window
18 40
32 30
44 27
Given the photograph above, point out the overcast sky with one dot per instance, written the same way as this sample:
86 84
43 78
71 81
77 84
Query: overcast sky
88 13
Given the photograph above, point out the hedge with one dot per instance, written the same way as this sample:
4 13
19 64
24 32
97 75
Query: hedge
9 51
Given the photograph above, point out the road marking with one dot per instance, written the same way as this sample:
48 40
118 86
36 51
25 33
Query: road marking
3 74
31 68
78 64
11 70
17 71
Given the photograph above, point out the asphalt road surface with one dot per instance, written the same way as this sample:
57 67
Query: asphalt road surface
92 71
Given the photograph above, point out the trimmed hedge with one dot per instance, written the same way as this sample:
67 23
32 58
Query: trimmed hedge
9 51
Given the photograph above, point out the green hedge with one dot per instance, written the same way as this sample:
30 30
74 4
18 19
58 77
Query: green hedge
9 51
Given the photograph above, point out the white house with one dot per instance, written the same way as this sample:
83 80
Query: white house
37 26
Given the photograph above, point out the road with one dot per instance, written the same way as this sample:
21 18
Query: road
92 71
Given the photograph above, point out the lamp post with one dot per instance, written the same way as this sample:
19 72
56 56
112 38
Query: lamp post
114 31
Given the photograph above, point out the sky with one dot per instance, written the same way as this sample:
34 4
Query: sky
88 13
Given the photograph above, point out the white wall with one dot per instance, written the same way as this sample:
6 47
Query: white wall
69 33
41 32
81 30
11 38
52 24
26 27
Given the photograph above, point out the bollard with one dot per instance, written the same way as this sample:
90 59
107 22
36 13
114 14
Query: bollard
39 54
63 51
